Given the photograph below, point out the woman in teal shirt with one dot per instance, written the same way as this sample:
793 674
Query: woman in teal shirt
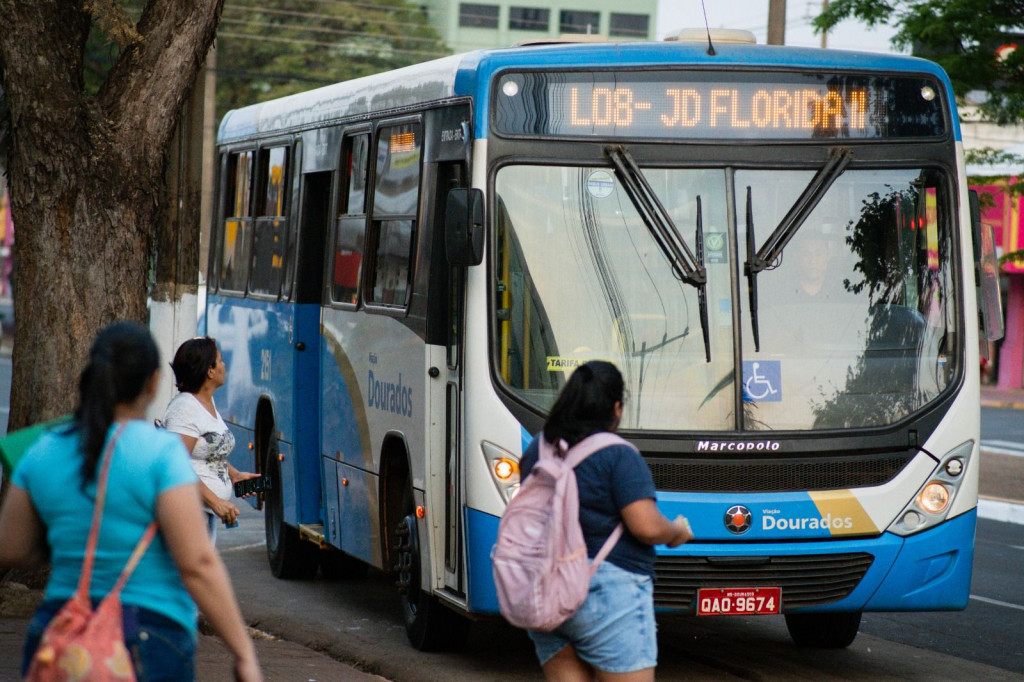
48 512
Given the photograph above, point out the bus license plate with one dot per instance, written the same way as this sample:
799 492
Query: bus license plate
739 601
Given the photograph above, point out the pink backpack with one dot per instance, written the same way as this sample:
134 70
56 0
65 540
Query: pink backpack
540 561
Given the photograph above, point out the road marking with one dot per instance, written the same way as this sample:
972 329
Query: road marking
1002 447
997 602
1005 443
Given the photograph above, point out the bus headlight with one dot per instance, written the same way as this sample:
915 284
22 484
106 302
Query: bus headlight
504 469
934 498
932 503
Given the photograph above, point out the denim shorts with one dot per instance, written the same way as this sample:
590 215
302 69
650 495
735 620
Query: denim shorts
211 526
614 630
161 649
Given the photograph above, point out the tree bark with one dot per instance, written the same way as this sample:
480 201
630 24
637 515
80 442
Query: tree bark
86 178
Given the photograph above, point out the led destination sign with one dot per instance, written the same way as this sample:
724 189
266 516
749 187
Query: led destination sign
728 106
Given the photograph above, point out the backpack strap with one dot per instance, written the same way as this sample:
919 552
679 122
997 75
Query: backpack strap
546 450
579 452
591 444
606 548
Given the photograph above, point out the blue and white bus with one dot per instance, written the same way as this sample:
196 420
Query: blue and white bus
776 246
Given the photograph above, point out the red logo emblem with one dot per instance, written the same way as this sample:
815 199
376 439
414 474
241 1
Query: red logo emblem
738 519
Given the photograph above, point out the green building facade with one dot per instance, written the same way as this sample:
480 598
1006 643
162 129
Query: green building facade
468 26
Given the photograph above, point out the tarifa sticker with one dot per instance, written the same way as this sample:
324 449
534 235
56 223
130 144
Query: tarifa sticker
600 184
560 364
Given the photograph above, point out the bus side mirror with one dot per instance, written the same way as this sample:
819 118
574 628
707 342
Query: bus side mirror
990 301
464 227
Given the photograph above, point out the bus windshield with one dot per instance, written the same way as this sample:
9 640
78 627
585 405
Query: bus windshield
855 317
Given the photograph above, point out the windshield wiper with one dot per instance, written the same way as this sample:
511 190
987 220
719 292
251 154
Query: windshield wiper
702 293
771 250
751 273
688 267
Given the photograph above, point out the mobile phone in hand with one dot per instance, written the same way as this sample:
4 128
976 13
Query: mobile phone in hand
250 486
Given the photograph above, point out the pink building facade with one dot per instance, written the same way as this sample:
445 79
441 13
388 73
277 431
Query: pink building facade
1005 218
6 243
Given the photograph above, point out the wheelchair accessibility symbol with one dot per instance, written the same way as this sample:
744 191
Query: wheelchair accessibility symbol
762 381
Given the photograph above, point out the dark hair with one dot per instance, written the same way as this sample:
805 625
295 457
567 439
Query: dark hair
587 403
122 359
192 361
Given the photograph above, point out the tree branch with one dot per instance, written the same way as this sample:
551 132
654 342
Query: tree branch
156 73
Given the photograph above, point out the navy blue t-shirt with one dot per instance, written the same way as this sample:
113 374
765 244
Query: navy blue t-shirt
608 480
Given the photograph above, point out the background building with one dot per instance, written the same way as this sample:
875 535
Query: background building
1005 213
6 242
500 23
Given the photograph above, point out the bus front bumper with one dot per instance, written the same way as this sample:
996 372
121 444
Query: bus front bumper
929 571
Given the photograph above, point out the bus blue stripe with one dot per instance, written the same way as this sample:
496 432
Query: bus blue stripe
481 532
526 437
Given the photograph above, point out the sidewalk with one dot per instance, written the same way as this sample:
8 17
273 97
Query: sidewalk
282 661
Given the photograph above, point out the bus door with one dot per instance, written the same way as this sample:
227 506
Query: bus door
447 144
314 220
453 559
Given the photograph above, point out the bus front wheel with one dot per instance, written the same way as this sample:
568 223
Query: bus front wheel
289 555
429 625
827 630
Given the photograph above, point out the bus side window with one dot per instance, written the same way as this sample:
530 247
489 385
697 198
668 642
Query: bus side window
350 225
395 199
236 238
271 222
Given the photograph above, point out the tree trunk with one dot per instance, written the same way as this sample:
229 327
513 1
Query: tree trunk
86 175
80 262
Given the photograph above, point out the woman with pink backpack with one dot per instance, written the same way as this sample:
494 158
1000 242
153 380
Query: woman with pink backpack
613 635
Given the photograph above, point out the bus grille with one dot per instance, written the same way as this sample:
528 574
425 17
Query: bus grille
805 580
775 475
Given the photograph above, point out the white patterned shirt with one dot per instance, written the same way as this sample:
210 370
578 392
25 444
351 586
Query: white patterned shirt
185 415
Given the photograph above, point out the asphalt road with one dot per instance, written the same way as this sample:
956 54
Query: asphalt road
989 630
1002 433
1002 454
1002 424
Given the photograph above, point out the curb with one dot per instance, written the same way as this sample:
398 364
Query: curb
1005 511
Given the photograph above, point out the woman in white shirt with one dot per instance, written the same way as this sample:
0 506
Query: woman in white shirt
199 370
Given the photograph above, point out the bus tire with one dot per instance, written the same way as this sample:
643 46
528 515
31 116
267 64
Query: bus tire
429 625
828 630
289 555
